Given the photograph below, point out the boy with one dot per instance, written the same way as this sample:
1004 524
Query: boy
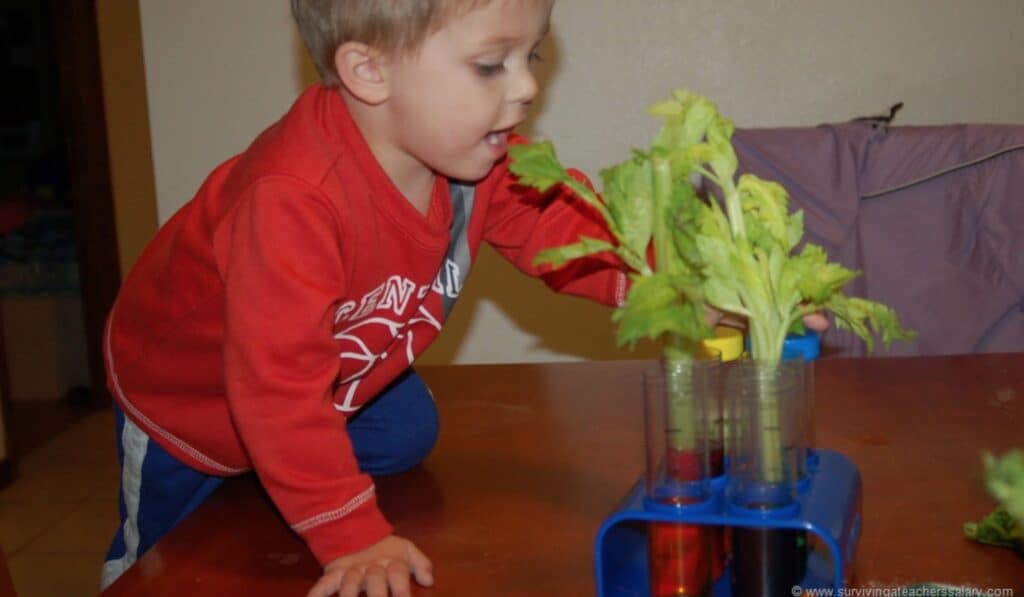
272 323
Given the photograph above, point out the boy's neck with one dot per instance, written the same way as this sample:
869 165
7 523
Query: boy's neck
412 178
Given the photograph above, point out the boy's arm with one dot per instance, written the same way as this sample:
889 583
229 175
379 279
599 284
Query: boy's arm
521 222
280 259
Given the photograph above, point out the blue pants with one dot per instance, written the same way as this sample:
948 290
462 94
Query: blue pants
392 433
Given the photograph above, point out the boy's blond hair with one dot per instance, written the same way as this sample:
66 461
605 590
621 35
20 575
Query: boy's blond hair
391 26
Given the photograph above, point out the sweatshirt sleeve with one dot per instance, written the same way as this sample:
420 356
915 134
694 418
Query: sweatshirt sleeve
522 222
281 259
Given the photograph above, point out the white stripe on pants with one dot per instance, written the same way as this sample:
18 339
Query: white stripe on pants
134 442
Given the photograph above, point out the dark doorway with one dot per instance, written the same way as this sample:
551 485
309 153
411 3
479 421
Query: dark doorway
55 187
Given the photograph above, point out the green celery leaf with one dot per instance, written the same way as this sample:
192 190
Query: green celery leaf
768 204
537 166
559 256
712 222
686 119
1004 478
723 286
684 213
1004 526
716 255
628 195
724 296
814 277
723 159
661 304
856 314
750 276
795 228
998 528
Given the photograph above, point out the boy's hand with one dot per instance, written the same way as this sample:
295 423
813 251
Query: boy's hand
815 321
379 570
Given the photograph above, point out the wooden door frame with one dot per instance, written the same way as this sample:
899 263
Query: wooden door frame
89 179
7 461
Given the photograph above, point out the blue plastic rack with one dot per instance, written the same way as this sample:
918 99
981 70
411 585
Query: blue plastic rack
828 505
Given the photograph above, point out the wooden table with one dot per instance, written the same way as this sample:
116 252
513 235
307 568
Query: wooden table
533 457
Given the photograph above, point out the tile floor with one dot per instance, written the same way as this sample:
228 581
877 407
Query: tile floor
57 518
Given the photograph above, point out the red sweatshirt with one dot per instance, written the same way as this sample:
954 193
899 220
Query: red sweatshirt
291 289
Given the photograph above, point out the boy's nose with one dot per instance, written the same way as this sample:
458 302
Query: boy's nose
524 88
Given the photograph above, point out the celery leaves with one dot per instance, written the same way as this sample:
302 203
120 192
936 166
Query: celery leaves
1004 526
737 255
746 251
650 208
1004 478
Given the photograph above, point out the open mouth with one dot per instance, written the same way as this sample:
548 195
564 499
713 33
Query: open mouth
497 142
497 138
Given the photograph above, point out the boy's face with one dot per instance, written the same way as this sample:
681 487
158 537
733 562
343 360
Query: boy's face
452 104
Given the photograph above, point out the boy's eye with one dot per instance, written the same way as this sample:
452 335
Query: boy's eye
489 70
535 57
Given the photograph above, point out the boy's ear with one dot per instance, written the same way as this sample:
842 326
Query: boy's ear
362 71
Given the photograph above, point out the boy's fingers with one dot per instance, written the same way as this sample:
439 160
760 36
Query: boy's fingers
422 569
398 579
327 585
351 583
712 315
376 581
816 321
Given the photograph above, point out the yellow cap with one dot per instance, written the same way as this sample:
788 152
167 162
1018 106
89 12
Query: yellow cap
728 342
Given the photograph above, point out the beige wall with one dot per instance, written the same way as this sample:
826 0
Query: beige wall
218 72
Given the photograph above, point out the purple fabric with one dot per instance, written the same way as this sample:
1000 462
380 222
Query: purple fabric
932 216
